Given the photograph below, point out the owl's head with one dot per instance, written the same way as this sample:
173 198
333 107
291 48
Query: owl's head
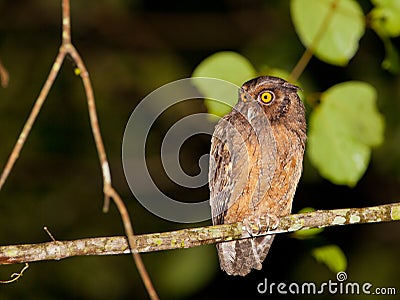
277 97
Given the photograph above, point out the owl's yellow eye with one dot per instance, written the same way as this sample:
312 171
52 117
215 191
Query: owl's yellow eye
267 97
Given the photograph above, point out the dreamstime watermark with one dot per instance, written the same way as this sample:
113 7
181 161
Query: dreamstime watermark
338 287
136 134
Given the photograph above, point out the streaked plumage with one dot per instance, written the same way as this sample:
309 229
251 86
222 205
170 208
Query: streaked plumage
255 164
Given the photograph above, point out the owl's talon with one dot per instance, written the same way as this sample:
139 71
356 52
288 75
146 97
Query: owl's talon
273 221
252 225
256 225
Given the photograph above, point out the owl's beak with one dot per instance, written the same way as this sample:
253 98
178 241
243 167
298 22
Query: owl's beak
244 96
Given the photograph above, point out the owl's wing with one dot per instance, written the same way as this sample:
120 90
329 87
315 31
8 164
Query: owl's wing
241 141
219 179
245 130
228 167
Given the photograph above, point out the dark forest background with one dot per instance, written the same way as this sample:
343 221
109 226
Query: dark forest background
131 48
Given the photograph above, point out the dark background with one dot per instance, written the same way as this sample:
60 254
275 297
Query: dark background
131 48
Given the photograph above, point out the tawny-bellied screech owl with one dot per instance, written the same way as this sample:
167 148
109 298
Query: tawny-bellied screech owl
255 164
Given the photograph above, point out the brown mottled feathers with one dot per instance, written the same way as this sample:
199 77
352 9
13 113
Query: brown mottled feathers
255 164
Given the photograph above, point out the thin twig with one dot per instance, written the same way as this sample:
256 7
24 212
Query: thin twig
308 53
109 191
67 48
132 243
94 123
193 237
16 276
4 77
32 117
49 233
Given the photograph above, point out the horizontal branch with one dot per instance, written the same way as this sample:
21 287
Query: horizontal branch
192 237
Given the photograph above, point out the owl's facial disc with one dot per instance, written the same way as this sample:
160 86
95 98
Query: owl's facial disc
264 97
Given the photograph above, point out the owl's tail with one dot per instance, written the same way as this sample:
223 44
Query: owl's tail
240 257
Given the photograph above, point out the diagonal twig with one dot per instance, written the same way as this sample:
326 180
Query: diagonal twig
32 117
67 48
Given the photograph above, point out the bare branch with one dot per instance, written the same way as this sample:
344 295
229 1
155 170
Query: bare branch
4 77
32 117
16 276
132 243
193 237
67 48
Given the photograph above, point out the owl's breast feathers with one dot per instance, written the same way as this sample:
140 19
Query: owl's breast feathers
254 170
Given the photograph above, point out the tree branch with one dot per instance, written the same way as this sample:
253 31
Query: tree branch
193 237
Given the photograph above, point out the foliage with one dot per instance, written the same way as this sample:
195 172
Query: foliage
229 66
332 29
346 125
329 254
332 256
344 128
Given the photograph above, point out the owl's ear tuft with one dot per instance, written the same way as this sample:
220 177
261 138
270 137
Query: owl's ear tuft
292 86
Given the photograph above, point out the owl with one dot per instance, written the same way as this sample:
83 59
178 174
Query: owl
255 164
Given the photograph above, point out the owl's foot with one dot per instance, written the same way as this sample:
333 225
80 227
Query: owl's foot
259 224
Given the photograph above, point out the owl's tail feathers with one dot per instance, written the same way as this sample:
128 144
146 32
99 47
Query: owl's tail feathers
240 257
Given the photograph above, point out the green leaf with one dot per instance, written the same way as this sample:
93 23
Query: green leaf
229 66
332 256
306 233
385 17
385 20
332 29
343 128
277 72
392 60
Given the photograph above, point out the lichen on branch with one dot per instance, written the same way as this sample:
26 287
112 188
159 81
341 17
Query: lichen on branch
193 237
